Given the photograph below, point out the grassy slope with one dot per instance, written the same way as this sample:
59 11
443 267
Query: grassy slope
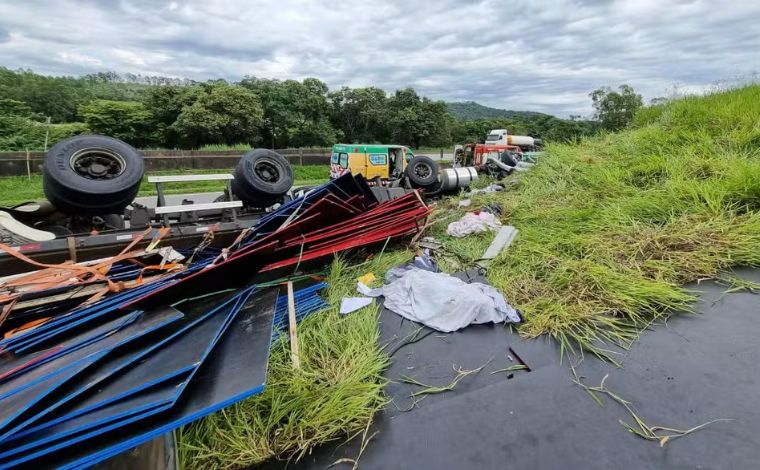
610 229
18 189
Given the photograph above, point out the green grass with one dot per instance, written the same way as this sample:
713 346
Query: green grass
611 228
334 395
17 189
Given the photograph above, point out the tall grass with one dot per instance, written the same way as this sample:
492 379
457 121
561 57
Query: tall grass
611 228
334 395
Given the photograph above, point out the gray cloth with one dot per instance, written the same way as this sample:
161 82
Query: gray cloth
442 302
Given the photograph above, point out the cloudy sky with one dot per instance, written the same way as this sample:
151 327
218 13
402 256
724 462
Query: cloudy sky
542 55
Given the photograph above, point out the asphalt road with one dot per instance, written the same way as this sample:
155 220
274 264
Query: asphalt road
689 371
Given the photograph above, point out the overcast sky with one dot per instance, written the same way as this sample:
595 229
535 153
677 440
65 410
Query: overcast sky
524 55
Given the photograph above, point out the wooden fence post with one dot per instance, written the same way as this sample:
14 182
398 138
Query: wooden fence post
28 166
294 353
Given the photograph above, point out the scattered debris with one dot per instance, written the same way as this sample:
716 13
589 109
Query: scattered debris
430 243
491 188
642 429
432 390
494 208
352 304
425 261
501 242
367 279
124 360
473 222
464 203
520 359
511 368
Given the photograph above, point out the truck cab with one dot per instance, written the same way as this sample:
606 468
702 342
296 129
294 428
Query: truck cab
502 137
373 161
497 137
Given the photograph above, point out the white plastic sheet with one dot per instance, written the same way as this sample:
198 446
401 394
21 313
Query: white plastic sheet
352 304
442 302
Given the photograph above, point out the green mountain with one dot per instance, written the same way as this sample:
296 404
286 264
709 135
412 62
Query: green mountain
470 110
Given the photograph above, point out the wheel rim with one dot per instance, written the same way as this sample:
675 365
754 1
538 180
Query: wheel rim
97 164
423 170
266 171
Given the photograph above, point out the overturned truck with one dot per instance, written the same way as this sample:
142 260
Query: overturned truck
91 182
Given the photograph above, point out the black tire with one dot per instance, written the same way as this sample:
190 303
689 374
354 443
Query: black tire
92 175
262 177
508 159
422 171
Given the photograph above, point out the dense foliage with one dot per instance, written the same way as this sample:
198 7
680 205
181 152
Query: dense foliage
173 113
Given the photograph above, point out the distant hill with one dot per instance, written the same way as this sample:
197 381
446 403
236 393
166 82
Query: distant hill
470 110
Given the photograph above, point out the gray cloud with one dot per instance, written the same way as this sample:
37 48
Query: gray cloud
542 56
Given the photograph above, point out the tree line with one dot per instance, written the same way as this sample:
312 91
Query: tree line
160 112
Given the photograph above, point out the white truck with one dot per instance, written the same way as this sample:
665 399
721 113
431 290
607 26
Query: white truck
502 137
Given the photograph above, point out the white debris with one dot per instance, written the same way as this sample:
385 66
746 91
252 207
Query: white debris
473 222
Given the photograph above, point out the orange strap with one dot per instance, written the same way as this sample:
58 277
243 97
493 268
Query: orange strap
25 326
73 267
225 251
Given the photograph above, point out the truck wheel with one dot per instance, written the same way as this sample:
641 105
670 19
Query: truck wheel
92 175
422 171
508 159
262 177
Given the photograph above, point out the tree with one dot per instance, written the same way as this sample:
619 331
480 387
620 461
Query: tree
313 133
166 103
404 118
417 122
359 113
295 113
224 114
126 120
276 102
309 121
57 97
615 110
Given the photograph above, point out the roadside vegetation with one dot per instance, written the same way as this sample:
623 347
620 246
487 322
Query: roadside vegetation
162 112
18 189
610 230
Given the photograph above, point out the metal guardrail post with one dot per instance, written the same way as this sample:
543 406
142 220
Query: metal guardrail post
161 200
